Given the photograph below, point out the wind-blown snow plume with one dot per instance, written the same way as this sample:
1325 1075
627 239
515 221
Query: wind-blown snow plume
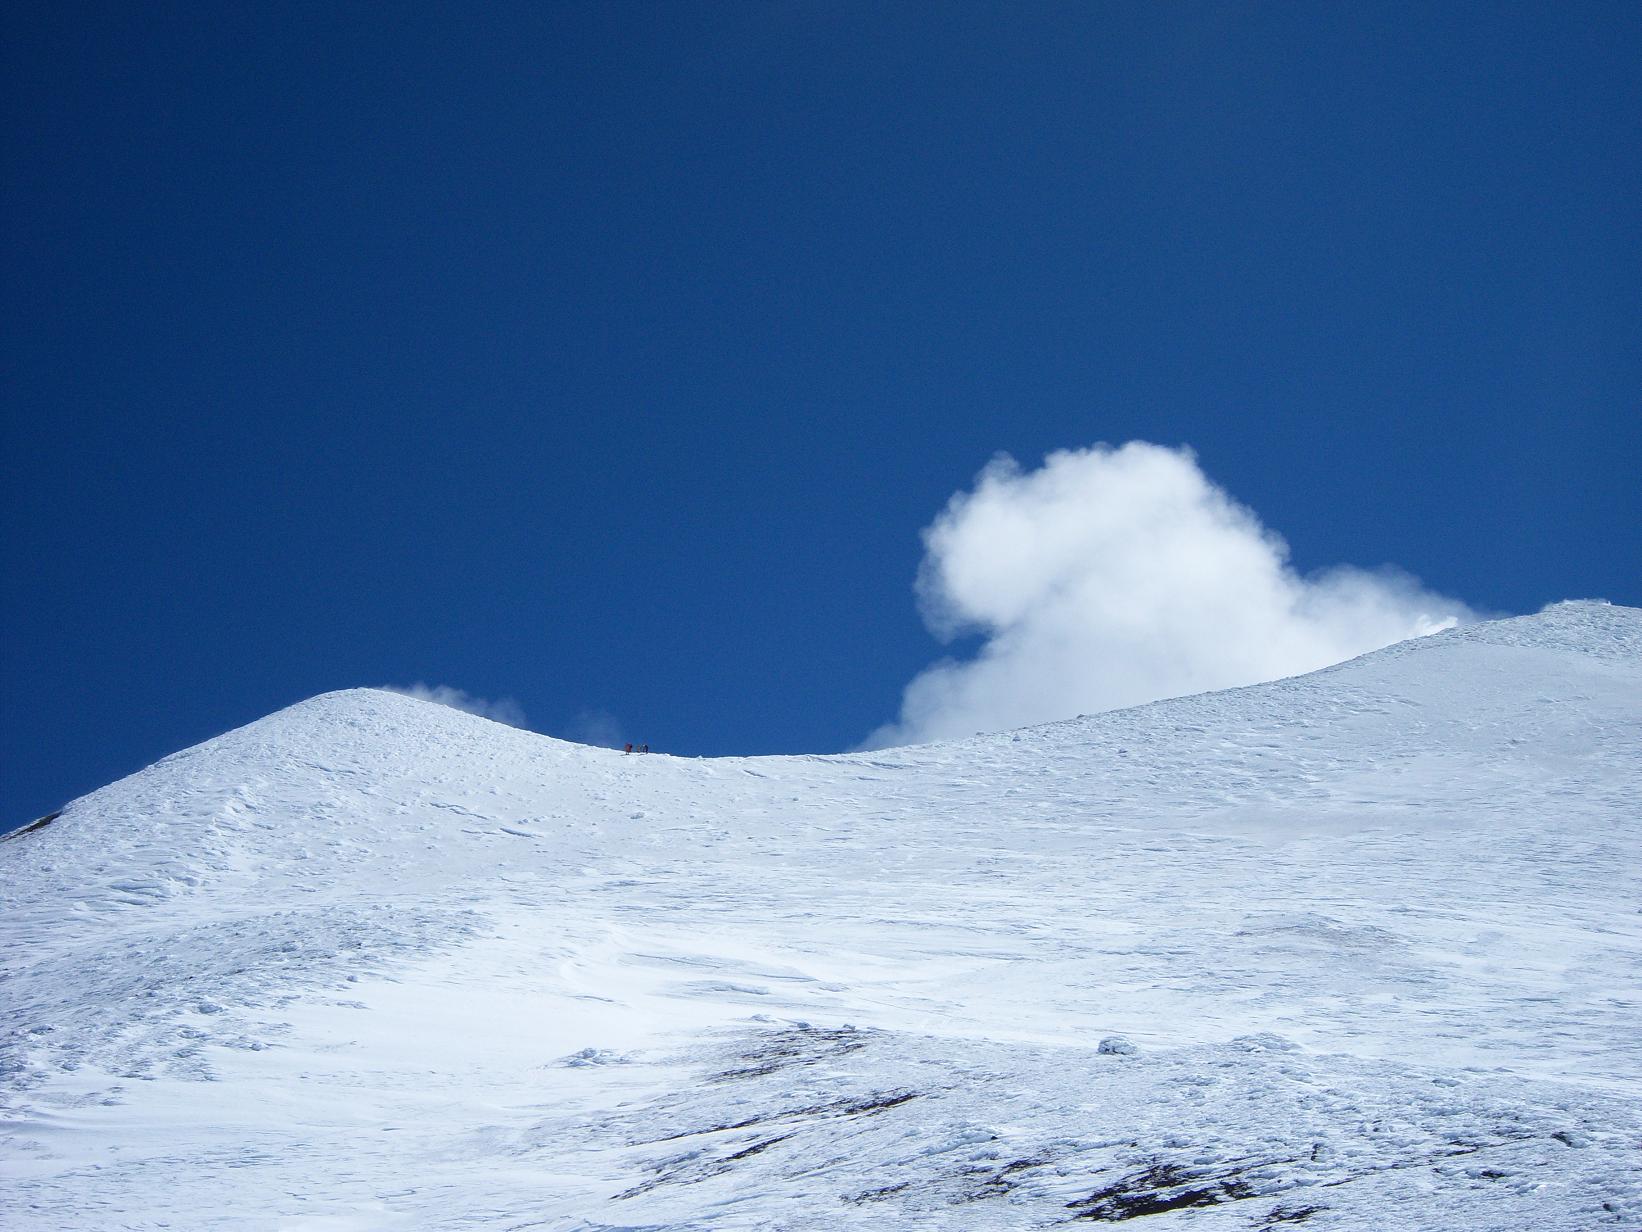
1111 577
599 728
502 710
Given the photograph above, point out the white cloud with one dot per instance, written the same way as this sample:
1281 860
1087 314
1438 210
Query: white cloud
1111 577
502 710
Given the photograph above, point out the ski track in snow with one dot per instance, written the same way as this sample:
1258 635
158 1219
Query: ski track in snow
1357 950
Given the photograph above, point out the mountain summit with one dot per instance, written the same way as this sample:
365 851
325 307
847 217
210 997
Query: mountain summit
1359 949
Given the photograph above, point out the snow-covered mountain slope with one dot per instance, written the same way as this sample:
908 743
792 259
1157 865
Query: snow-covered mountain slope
1360 949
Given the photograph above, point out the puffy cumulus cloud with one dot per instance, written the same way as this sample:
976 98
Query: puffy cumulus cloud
502 710
1110 577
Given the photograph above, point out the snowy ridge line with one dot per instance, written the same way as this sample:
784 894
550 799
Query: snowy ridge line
1588 628
1353 950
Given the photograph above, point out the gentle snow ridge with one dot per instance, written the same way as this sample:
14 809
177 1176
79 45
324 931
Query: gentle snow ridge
1359 949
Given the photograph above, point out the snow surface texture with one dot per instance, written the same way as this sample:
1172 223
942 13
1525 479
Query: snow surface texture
1359 949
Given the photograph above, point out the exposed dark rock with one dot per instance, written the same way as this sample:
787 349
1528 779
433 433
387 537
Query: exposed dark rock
1160 1188
39 823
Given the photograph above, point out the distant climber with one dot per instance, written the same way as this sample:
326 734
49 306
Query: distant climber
629 747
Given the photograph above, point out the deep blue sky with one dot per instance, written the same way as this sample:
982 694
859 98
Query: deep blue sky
612 356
